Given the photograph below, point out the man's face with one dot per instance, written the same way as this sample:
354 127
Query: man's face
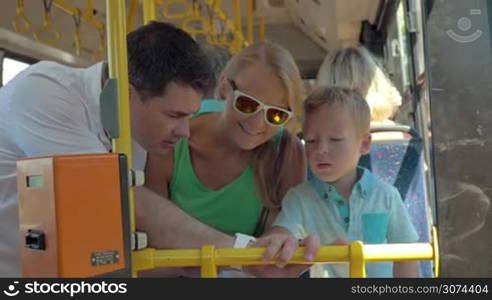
159 122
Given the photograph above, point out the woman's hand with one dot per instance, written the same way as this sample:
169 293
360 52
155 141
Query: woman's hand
280 243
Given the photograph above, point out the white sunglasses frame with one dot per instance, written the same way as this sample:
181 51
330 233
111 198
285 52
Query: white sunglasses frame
237 93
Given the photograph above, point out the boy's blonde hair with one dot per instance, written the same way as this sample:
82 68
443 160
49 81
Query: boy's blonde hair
348 99
356 68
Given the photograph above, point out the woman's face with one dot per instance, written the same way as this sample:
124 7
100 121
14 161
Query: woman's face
260 82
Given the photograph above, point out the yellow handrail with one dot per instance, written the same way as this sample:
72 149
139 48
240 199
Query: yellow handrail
261 27
188 9
86 17
131 16
239 40
203 30
20 22
214 37
238 34
209 258
47 33
435 244
76 37
250 8
149 13
101 49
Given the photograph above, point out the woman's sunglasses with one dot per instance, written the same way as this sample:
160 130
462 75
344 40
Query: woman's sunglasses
249 105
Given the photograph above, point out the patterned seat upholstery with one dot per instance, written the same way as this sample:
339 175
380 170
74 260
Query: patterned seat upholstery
400 163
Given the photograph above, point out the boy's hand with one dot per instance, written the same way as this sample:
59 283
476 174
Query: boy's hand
279 241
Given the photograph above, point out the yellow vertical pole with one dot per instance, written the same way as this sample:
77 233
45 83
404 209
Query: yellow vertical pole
89 9
118 68
357 261
209 269
131 16
148 11
435 247
238 41
250 21
261 25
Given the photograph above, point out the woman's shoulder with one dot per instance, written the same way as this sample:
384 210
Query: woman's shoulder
202 122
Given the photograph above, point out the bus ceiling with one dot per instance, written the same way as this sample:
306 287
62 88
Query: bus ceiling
308 29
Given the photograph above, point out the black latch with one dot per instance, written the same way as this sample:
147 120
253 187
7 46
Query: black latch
35 239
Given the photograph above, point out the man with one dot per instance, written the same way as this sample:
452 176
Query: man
53 109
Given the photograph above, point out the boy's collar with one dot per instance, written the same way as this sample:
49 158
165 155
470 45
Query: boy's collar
364 185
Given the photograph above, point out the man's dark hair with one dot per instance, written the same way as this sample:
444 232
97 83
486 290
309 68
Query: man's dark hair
160 53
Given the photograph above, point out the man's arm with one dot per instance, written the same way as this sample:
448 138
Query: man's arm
169 227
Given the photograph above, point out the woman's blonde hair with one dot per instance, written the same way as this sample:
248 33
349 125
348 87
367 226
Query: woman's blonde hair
356 68
265 158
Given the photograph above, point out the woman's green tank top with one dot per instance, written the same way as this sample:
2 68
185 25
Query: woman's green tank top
233 208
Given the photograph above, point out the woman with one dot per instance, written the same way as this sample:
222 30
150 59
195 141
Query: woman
240 160
356 68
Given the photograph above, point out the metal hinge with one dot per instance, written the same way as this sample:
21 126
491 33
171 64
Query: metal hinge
412 22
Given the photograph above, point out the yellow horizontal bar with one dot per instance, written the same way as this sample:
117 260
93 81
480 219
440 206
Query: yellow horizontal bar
148 259
253 256
398 252
151 258
73 10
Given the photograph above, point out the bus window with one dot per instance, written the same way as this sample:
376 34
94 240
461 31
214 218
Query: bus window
10 68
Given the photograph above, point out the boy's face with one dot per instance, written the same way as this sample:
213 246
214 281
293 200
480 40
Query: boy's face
333 143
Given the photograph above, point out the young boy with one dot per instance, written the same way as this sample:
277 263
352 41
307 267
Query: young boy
342 201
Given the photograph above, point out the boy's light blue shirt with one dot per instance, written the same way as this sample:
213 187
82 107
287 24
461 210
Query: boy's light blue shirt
376 215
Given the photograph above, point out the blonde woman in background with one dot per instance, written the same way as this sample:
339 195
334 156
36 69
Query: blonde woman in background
357 68
231 174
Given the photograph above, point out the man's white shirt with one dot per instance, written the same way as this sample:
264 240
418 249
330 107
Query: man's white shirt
47 109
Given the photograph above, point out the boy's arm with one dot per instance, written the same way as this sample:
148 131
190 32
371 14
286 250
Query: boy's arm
406 269
401 229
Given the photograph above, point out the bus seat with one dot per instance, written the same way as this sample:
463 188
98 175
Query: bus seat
400 162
